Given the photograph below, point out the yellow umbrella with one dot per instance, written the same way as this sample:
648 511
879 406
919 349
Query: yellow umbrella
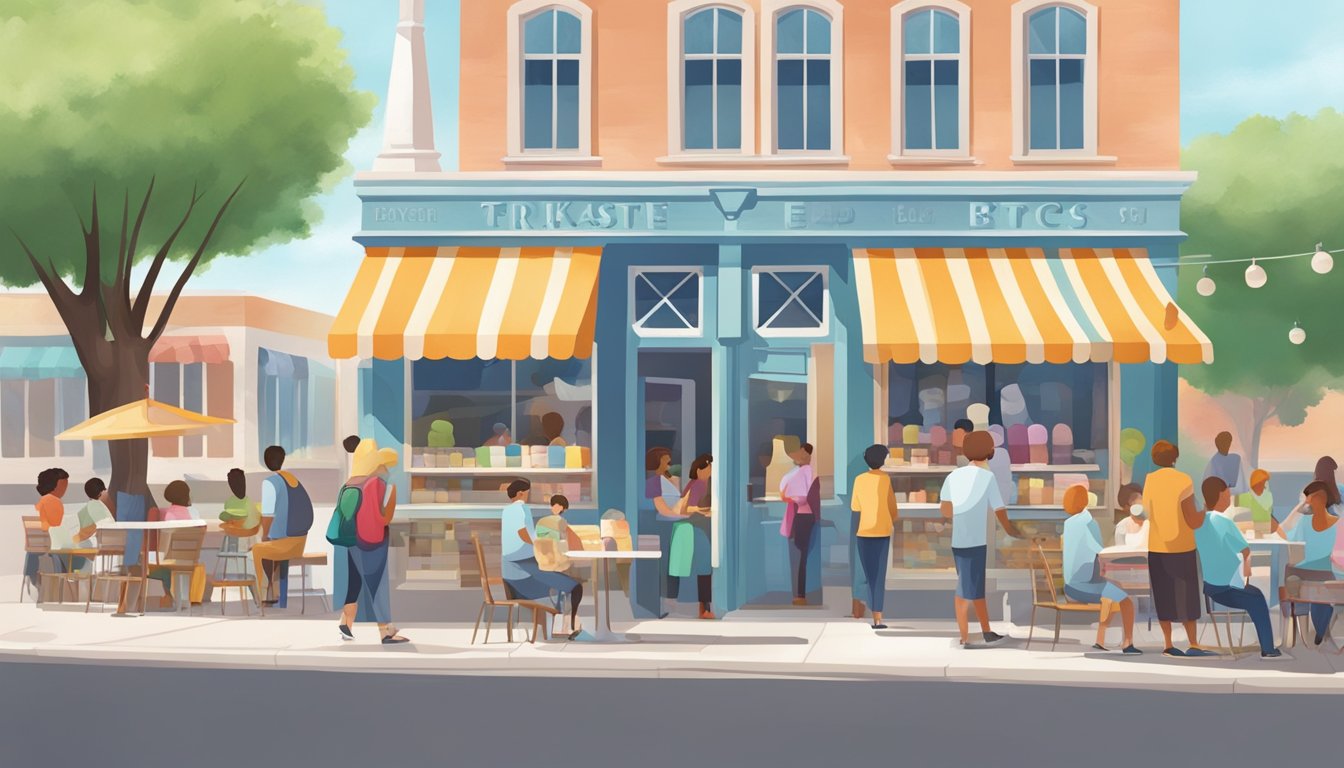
141 419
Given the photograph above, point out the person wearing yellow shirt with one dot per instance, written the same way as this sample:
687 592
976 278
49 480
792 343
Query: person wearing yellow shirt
874 505
1173 565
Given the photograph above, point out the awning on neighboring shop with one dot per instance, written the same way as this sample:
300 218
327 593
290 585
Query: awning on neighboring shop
1013 305
462 303
34 363
211 349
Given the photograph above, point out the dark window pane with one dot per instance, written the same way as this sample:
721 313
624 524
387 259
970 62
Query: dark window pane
789 104
918 118
1071 104
73 396
193 399
1042 115
567 105
730 104
818 104
537 105
42 418
946 104
13 419
699 104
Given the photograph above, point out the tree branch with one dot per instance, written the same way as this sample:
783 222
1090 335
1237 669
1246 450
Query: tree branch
124 275
176 292
141 306
93 260
56 288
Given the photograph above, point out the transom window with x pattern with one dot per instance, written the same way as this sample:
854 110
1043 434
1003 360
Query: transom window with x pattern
790 301
667 302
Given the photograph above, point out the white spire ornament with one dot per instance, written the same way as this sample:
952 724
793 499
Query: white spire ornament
1321 261
1206 286
1255 275
1297 335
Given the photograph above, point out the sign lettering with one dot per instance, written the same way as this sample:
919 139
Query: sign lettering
572 215
1028 215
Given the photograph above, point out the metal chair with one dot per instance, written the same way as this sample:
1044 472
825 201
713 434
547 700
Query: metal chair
305 565
1214 611
491 602
109 566
1043 587
233 569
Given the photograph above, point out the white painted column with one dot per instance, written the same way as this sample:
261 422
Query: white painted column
408 122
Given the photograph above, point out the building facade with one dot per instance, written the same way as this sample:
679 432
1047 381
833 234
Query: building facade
729 227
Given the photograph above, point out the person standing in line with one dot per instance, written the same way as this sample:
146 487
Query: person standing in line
286 502
1226 465
1225 560
801 492
663 491
523 577
873 503
968 496
696 505
1173 565
1081 542
365 574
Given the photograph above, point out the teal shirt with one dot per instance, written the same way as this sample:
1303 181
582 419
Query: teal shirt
1081 540
1220 544
1319 545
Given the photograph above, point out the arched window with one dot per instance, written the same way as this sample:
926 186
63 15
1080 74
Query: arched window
549 110
931 79
1055 102
712 80
804 92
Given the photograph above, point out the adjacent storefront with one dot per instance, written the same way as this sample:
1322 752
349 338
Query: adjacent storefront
558 329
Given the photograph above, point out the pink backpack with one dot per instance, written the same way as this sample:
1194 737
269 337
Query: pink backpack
370 528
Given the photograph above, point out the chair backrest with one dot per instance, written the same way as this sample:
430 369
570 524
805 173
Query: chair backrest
34 538
111 542
486 579
184 545
1043 577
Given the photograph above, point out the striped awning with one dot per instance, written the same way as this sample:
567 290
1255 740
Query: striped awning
208 349
1014 305
463 303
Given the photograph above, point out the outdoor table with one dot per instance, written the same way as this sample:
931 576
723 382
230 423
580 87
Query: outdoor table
602 617
146 525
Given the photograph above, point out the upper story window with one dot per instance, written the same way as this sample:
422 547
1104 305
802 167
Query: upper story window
930 81
550 87
1055 100
666 301
790 301
712 80
806 67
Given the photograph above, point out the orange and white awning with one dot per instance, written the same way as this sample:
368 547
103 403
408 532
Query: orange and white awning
463 303
1014 305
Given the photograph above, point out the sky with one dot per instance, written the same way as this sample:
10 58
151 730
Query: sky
1238 58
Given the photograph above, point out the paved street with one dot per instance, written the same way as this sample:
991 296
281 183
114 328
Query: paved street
157 717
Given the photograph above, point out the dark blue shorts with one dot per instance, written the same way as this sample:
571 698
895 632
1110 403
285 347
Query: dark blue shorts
970 562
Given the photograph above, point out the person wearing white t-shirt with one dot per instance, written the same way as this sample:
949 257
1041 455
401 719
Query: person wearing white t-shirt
968 496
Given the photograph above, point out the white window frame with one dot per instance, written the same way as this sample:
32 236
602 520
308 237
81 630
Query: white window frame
518 14
677 13
756 320
962 13
1022 152
667 333
770 12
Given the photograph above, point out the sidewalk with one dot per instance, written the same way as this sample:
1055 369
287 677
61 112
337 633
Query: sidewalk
813 644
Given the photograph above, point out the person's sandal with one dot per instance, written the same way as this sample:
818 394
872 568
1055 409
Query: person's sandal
394 638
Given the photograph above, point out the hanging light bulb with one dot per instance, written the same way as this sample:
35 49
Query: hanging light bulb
1297 335
1205 286
1321 261
1255 275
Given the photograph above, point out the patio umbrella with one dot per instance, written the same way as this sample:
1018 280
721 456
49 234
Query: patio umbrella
142 419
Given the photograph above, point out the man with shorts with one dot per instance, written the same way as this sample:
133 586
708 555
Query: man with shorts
969 494
1173 564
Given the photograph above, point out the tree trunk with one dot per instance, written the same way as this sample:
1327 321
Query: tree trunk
115 380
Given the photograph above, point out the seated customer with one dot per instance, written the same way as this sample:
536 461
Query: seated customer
178 496
1316 530
241 516
1225 559
95 511
286 502
523 577
1133 530
1082 571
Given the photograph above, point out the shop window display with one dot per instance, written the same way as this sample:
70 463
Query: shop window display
478 424
1050 424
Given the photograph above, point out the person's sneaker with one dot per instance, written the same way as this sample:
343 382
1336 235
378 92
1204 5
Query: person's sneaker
993 637
395 639
1132 651
1275 655
1175 653
346 634
1098 647
879 626
1200 653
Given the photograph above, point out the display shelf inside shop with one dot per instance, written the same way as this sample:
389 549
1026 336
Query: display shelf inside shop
506 471
929 510
474 511
943 469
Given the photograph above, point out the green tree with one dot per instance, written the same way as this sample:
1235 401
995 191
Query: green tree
1269 187
150 131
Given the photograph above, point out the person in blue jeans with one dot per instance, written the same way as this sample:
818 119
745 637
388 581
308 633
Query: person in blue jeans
1081 542
1316 530
1225 559
874 506
523 576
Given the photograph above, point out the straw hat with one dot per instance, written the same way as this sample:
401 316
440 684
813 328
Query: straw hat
369 457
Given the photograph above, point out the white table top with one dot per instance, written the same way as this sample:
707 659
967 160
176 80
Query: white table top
149 525
629 554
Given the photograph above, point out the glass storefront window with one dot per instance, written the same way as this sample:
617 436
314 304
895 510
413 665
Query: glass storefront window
476 425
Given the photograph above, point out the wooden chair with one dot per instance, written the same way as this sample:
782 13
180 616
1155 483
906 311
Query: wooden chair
110 566
1045 595
232 566
490 602
306 564
182 556
36 544
1311 593
67 575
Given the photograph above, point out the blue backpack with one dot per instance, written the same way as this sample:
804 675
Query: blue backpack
299 511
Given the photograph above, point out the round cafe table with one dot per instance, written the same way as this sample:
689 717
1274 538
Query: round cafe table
601 632
146 525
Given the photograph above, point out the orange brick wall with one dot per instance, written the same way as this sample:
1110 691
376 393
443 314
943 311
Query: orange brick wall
1138 84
